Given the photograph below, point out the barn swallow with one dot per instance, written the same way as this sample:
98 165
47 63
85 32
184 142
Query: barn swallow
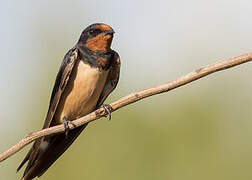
88 74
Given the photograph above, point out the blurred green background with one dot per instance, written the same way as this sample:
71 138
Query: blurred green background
198 131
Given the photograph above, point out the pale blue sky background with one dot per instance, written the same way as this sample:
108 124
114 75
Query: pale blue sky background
158 41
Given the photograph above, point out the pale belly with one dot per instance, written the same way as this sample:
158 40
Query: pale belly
81 94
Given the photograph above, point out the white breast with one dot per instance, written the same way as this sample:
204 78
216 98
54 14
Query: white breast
82 92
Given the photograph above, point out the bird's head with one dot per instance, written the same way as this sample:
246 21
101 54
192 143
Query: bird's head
97 37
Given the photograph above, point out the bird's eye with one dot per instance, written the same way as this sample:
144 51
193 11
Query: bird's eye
94 32
91 32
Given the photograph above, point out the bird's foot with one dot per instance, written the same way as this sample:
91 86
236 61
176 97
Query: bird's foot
66 126
107 108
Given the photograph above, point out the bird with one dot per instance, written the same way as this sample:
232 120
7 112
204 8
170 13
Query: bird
88 73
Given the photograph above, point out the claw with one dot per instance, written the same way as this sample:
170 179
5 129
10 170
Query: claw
107 108
66 125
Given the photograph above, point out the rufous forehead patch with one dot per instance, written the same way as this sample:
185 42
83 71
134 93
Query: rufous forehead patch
103 27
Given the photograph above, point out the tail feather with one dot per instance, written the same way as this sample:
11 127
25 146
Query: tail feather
57 145
31 154
25 159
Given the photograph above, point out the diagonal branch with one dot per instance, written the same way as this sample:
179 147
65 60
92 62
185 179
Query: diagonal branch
131 98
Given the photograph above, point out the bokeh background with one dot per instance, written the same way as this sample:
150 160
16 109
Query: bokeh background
199 131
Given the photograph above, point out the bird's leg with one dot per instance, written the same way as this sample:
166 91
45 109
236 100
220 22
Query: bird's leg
107 108
66 125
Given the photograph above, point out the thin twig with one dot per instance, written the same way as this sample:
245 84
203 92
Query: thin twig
131 98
